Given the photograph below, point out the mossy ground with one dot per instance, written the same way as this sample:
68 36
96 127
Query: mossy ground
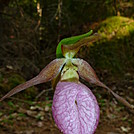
115 50
10 80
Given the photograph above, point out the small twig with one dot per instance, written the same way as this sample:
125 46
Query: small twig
24 101
42 92
37 26
20 9
13 98
6 14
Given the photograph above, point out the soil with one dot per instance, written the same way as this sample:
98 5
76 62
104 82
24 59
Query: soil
18 116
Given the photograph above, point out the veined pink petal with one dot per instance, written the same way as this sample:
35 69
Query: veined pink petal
75 109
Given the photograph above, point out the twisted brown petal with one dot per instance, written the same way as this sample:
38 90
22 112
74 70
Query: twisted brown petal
72 49
47 74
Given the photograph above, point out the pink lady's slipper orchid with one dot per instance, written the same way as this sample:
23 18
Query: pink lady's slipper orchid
75 109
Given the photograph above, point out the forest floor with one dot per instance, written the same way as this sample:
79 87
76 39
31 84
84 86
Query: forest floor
18 116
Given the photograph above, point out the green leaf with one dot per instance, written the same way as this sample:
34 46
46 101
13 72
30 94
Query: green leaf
70 41
69 51
10 103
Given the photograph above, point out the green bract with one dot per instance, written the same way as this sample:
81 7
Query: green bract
70 41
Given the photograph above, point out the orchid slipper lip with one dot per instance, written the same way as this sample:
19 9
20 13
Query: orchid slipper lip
75 109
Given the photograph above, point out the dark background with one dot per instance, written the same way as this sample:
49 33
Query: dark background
29 33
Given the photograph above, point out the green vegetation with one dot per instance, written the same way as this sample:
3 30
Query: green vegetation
115 50
116 27
10 81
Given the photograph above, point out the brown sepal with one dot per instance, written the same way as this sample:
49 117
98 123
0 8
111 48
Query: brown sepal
47 74
87 73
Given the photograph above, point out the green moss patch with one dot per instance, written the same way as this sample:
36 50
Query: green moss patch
9 81
116 27
115 50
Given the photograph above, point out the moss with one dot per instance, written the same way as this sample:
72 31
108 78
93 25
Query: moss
116 26
10 81
15 80
115 50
